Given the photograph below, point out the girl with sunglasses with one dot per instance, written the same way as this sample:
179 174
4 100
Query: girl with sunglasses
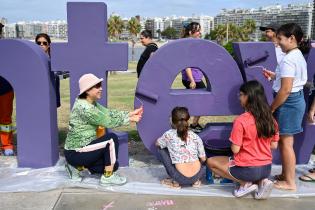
43 40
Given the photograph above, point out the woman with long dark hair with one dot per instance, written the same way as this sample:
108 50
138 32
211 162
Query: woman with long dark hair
253 136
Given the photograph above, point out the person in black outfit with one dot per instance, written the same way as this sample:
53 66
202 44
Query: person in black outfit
43 40
146 40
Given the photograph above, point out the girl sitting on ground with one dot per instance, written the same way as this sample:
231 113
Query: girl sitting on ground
254 134
181 152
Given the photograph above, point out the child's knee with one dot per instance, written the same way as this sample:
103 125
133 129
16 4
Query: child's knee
212 163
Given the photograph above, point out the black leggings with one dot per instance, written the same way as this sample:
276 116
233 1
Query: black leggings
96 160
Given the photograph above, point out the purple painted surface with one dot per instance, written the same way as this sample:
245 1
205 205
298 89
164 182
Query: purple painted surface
154 86
265 55
304 142
26 67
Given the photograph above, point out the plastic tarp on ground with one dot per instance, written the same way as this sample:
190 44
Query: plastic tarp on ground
143 180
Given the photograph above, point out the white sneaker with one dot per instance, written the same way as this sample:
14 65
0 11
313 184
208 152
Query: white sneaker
74 174
8 152
114 179
264 189
245 190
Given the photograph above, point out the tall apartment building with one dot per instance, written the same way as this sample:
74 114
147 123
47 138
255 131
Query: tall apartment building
300 14
57 29
206 23
27 30
149 25
158 27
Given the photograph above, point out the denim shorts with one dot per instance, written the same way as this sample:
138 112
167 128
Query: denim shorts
250 173
290 114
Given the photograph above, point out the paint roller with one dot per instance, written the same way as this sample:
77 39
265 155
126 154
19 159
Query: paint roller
256 59
147 94
261 56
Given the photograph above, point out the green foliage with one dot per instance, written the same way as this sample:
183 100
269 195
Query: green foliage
211 35
170 33
134 26
115 26
232 32
229 47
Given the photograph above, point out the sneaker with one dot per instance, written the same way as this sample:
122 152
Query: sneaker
114 179
196 128
8 152
245 190
73 173
264 189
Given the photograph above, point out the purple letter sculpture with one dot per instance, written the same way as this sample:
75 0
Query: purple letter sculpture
87 50
154 87
26 67
251 54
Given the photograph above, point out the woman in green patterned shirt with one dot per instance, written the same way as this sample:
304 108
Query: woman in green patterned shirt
82 147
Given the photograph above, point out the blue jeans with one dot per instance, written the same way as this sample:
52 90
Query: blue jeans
164 156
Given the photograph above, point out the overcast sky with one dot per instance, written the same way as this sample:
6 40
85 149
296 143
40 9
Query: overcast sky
28 10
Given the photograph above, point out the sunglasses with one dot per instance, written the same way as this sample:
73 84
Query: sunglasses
98 85
40 43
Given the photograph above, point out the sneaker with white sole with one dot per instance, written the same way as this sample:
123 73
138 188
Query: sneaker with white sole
196 128
73 173
264 189
114 179
8 152
245 190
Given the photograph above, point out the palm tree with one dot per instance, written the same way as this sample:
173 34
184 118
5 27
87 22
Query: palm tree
115 26
220 33
248 28
134 29
233 32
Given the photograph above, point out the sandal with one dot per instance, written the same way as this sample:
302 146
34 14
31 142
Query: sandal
312 170
279 177
307 178
197 184
170 183
167 181
280 186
